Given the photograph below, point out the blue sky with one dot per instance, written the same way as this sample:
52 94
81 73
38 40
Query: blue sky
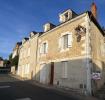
19 17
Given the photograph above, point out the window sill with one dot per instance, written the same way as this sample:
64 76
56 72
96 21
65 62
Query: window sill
64 50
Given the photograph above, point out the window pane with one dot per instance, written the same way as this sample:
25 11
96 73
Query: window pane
44 47
65 41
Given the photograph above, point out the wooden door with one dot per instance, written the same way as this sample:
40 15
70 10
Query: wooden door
52 73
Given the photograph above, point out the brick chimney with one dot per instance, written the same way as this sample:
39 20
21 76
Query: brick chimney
94 10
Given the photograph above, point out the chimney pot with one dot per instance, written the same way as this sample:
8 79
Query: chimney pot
94 10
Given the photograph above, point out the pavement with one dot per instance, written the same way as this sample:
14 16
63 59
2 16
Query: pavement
13 88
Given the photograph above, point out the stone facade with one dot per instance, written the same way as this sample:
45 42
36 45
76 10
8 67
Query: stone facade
28 56
66 55
16 50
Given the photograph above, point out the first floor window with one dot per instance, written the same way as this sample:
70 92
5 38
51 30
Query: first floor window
65 41
44 48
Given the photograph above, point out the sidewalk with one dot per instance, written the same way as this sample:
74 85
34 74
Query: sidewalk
58 90
63 91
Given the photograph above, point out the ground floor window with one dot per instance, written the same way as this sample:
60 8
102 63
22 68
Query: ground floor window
64 69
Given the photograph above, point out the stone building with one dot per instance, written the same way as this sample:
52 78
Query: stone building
15 53
70 55
28 56
16 49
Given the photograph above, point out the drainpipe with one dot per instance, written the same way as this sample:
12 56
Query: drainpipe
88 56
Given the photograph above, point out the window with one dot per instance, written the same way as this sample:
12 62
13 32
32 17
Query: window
64 69
44 48
66 16
65 41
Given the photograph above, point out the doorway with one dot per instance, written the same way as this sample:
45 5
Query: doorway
52 73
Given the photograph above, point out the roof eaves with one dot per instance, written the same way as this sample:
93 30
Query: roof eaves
96 22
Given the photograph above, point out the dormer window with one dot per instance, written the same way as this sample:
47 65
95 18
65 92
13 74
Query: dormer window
24 40
33 33
65 16
48 26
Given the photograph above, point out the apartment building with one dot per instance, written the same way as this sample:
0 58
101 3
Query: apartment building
70 55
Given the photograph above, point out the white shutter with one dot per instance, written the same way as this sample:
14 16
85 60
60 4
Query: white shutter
70 39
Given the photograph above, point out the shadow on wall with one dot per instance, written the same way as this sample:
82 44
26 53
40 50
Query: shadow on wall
70 74
98 67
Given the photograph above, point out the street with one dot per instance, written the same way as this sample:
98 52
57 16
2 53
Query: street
14 89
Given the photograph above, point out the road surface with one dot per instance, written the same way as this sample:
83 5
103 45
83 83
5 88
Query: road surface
14 89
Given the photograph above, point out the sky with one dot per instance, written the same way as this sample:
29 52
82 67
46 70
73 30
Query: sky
19 17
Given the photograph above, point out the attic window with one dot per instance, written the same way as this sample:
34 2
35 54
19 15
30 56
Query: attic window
66 15
80 32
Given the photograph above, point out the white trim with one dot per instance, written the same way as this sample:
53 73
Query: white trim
61 41
64 33
40 48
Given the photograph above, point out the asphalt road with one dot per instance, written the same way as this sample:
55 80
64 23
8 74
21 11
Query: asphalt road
14 89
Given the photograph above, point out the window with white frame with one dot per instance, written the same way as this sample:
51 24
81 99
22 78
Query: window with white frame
65 41
64 69
44 48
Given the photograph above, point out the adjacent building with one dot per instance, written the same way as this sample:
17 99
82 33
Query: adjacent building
1 62
28 56
15 55
16 49
70 55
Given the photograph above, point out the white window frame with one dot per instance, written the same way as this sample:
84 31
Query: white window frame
61 41
42 51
